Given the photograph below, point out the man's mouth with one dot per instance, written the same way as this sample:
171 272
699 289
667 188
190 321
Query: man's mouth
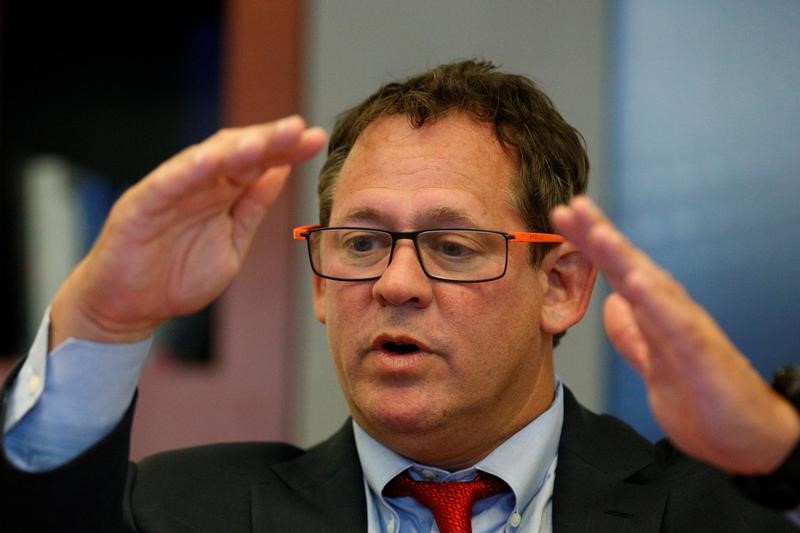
400 348
398 345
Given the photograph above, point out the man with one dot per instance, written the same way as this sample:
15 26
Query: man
442 288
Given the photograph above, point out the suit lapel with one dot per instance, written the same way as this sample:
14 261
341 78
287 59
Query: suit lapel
596 489
323 491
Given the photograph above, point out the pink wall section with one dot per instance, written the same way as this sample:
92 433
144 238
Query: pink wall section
246 394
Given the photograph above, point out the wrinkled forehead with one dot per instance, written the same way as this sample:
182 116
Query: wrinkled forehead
452 170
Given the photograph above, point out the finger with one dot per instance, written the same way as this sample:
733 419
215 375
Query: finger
227 152
654 347
668 315
309 143
684 343
629 270
588 228
668 319
263 147
624 333
236 155
250 208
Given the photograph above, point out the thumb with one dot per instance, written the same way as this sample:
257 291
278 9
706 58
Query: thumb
267 188
624 333
251 207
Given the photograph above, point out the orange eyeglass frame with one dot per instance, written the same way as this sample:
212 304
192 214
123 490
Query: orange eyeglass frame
513 236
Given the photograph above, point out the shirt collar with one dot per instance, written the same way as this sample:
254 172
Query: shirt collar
522 461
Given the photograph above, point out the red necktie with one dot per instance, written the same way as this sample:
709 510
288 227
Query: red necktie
450 502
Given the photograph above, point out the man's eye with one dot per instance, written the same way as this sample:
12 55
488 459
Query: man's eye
360 243
453 249
454 246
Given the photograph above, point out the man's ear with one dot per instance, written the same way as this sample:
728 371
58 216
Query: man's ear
570 280
318 287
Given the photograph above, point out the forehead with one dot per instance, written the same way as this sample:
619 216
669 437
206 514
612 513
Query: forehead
453 168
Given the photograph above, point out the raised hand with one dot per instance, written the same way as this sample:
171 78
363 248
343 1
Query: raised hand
174 241
702 391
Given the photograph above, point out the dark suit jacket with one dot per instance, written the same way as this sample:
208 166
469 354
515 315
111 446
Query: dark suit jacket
608 479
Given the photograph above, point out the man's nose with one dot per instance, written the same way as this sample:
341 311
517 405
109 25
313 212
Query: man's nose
404 281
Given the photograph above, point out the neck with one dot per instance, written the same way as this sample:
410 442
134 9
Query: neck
461 442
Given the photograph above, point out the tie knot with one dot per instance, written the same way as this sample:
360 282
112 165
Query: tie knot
450 502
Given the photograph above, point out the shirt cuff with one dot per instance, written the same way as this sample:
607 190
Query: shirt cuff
62 403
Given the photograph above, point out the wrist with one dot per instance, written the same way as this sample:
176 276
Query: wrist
786 432
777 490
70 318
780 489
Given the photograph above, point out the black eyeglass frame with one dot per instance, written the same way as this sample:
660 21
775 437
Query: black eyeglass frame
303 233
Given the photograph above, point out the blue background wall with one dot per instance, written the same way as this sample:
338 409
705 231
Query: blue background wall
704 163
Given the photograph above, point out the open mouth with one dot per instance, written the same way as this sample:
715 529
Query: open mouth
400 348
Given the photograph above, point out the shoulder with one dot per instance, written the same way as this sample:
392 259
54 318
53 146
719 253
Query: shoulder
238 460
606 454
238 486
206 487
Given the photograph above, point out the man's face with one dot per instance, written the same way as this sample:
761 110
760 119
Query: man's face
441 372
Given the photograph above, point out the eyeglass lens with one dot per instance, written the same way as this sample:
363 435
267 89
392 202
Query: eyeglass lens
459 255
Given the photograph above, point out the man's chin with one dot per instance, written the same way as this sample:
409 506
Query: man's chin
395 419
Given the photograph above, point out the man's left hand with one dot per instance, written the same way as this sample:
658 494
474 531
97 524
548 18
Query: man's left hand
702 391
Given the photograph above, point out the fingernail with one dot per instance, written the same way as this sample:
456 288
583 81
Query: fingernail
287 123
248 142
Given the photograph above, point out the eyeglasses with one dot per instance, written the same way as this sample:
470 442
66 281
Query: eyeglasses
463 255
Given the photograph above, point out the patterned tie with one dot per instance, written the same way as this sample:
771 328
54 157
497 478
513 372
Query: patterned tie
450 502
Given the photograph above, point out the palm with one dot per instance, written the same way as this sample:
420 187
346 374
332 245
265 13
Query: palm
175 240
684 384
701 389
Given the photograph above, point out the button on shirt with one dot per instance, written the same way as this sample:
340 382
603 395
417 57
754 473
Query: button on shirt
41 435
56 410
526 462
79 407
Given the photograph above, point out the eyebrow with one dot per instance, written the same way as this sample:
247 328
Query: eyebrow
442 216
448 215
362 214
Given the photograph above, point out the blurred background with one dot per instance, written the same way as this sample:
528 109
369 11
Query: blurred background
690 111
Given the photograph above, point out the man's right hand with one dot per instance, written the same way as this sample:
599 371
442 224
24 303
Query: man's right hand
175 240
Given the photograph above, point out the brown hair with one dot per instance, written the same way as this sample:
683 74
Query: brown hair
550 155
